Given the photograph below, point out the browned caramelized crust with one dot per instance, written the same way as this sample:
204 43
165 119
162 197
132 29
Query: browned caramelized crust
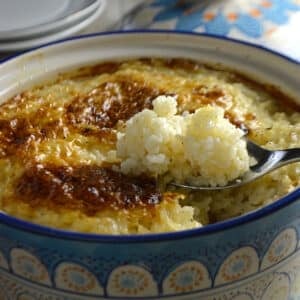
98 69
87 188
14 133
111 102
93 114
55 139
96 113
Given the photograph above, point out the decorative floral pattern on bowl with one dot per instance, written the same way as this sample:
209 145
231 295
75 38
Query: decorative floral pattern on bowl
283 245
75 278
272 23
28 266
239 264
187 277
239 277
131 281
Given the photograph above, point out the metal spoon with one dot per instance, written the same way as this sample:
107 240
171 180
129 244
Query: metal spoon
267 161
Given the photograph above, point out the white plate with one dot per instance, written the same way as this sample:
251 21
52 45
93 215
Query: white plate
77 28
32 18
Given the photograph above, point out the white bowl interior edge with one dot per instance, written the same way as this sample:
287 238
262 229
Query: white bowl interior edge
37 66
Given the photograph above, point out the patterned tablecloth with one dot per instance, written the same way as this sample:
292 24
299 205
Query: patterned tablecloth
271 23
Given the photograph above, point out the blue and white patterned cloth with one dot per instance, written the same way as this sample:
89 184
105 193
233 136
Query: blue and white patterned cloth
271 23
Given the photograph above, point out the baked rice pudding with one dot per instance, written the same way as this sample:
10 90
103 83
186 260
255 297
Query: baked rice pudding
61 165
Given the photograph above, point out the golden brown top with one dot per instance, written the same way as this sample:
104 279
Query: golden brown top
87 188
110 102
58 135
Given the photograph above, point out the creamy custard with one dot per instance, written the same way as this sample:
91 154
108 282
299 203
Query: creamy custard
56 142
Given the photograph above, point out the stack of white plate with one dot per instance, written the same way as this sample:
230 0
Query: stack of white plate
30 23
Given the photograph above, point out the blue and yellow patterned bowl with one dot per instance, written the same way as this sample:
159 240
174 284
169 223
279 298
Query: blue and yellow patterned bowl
256 256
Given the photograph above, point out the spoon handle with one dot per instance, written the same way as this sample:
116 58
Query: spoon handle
290 156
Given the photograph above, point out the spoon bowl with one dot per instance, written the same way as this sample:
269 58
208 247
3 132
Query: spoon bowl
266 162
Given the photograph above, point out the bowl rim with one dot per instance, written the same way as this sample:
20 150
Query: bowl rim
151 237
